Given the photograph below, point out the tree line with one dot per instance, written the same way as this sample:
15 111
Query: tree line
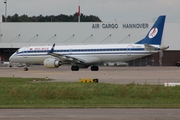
52 18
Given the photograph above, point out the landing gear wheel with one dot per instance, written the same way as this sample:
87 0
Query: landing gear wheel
25 69
75 68
94 68
178 64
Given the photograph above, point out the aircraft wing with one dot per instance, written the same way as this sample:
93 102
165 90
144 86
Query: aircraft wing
64 57
67 58
51 52
76 59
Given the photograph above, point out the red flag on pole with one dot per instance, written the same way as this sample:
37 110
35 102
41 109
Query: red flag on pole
79 11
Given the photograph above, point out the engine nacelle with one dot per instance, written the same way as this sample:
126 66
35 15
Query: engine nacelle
52 63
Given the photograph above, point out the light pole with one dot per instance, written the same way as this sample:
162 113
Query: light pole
5 2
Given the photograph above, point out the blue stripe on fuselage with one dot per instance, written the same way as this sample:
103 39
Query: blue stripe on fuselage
64 52
85 50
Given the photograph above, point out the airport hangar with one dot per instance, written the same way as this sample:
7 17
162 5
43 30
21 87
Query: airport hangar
14 35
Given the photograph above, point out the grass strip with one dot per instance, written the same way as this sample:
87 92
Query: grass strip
26 93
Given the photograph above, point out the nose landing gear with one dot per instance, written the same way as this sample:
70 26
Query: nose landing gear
25 69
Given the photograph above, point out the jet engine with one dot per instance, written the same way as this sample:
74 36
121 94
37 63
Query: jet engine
52 63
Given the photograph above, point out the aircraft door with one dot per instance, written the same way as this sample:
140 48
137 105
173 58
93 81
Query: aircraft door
128 50
70 51
25 52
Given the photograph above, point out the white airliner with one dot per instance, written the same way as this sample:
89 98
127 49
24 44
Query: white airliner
90 55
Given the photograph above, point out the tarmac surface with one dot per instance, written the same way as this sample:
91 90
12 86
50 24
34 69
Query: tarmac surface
89 114
114 75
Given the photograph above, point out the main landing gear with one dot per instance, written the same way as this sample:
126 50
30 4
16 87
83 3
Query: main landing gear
25 69
94 68
76 68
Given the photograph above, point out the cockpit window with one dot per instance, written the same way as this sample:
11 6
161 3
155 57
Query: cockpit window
17 51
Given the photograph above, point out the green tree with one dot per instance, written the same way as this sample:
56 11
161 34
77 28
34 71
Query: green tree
52 18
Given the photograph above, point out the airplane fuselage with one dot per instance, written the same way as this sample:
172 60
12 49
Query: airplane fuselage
88 53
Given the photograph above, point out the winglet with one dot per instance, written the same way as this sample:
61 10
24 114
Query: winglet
52 49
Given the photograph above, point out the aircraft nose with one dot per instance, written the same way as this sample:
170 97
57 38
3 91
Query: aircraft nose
11 58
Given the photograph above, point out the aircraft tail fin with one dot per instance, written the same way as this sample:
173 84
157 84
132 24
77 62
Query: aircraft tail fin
154 36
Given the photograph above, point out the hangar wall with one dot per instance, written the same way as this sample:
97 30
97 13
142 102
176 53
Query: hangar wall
14 35
62 33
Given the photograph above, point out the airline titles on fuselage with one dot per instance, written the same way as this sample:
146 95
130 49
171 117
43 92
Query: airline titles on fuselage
43 48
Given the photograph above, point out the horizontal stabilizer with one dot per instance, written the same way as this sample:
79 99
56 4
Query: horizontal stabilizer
150 47
164 47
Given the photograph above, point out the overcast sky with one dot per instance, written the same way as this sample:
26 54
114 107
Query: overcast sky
106 10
